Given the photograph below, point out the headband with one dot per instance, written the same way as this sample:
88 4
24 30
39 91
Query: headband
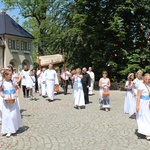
130 74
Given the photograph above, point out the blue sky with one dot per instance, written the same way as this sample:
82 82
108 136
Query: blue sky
13 13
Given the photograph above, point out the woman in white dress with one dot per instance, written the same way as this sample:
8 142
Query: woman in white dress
11 117
78 95
143 107
129 94
136 83
104 84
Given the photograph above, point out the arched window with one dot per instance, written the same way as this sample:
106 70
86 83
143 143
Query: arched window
14 63
25 62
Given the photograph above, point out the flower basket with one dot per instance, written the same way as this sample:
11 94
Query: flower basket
105 94
9 101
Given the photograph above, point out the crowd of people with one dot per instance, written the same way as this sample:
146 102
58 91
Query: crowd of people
137 101
46 83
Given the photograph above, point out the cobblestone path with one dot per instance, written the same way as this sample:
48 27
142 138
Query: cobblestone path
58 125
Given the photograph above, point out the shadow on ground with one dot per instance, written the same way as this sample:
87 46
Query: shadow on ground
139 136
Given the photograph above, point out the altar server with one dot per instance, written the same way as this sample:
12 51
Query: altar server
51 80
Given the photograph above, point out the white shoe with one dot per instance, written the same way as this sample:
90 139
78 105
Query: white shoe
106 110
148 137
8 134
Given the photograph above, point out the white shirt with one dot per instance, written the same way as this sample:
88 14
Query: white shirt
65 75
42 76
51 75
38 76
145 89
92 75
24 75
31 81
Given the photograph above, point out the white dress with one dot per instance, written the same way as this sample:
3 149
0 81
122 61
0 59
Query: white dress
128 98
11 117
24 75
39 80
30 82
14 81
43 85
78 95
104 101
143 116
137 83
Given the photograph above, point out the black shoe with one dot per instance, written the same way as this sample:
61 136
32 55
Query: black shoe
133 116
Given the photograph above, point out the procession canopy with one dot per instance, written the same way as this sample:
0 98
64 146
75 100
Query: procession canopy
54 59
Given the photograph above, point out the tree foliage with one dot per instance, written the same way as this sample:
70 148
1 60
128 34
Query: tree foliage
107 35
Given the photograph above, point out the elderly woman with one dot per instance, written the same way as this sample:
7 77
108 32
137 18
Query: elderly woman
143 107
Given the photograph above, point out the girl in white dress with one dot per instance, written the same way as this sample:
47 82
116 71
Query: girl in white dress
104 84
136 83
11 118
31 85
143 107
43 84
15 78
39 71
78 95
129 94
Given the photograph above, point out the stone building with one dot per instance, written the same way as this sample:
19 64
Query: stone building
15 43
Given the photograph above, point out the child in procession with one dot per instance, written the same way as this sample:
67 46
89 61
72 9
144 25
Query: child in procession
129 94
11 117
31 85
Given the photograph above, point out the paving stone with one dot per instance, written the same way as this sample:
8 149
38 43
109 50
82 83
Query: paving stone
58 125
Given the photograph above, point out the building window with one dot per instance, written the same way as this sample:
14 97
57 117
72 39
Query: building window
11 44
25 45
